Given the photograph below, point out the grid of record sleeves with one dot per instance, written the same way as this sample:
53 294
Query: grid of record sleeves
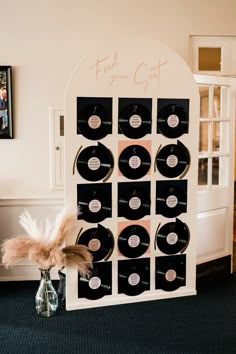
140 198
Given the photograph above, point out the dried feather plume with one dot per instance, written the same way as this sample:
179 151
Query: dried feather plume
43 244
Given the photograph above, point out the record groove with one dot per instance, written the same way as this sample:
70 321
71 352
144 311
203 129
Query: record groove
134 162
133 241
95 162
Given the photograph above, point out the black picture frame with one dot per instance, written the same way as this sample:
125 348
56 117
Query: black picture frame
6 116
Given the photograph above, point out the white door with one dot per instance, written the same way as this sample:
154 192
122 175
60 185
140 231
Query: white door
215 197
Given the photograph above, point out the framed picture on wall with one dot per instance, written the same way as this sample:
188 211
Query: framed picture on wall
6 120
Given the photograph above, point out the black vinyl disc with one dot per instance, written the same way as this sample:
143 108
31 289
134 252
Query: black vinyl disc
99 240
134 200
95 162
99 284
171 199
172 121
135 121
94 121
170 272
133 276
134 161
173 159
173 237
94 202
133 241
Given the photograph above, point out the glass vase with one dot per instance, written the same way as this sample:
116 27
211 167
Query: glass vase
46 300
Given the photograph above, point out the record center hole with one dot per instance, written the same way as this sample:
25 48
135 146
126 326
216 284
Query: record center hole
134 279
94 121
134 241
135 121
95 283
94 244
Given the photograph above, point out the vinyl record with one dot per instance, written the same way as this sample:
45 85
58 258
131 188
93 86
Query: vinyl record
173 237
94 201
99 240
134 200
133 241
170 272
172 119
94 117
171 198
95 162
133 276
135 120
173 160
99 284
134 161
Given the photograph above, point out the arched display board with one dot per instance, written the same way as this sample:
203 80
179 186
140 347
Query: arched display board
131 141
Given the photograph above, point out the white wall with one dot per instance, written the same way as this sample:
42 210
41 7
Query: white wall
44 39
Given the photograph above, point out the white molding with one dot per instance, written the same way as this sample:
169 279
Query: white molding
31 201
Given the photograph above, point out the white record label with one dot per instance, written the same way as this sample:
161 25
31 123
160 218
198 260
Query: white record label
94 206
171 201
134 279
95 283
94 121
172 161
173 121
135 162
172 238
134 203
134 241
135 121
171 275
94 244
94 163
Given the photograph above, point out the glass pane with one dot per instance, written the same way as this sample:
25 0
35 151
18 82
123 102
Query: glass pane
202 171
204 101
209 59
203 137
216 110
225 102
215 170
220 137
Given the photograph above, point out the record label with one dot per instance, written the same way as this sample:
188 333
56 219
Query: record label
134 241
172 238
173 121
95 205
171 275
172 201
95 283
94 121
134 203
134 162
94 245
134 279
172 161
135 121
94 163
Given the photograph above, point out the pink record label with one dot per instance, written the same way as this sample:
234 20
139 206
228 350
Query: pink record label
171 275
94 121
173 121
135 162
134 241
94 245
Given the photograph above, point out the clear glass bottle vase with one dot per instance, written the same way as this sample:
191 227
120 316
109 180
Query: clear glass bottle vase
46 300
